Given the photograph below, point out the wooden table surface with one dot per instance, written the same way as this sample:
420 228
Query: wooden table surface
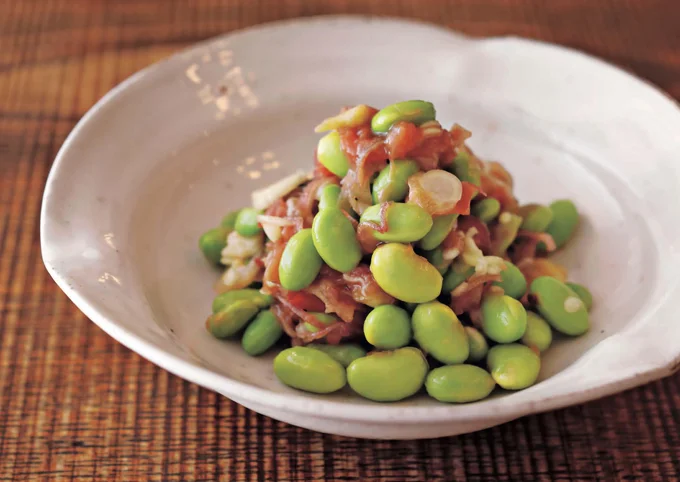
76 405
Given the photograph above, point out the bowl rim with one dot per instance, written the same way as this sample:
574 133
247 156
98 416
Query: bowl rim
504 407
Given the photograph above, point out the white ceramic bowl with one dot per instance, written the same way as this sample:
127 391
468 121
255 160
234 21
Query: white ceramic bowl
165 154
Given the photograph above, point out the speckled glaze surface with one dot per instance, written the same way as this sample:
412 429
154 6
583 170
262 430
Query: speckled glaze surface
164 155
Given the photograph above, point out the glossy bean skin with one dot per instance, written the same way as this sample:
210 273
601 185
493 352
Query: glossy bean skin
455 276
538 333
560 306
465 169
329 196
330 154
309 370
335 240
583 293
344 354
504 232
212 242
392 182
414 111
439 333
535 217
564 223
513 366
405 275
486 209
261 334
479 347
223 299
504 319
512 281
436 259
388 327
459 383
388 376
441 227
300 262
229 220
406 223
232 319
246 223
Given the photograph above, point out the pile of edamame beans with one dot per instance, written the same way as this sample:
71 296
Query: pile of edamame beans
464 296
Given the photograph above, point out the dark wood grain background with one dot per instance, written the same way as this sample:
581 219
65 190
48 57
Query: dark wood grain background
76 405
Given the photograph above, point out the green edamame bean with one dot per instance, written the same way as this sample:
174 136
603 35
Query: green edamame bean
223 299
246 222
388 376
441 227
536 217
459 383
344 354
335 240
486 210
261 333
406 223
538 333
232 318
466 169
513 366
388 327
504 232
458 273
329 153
324 318
212 242
329 196
229 221
564 222
403 274
392 182
560 306
300 263
309 370
583 293
512 281
439 333
479 347
414 111
504 319
436 259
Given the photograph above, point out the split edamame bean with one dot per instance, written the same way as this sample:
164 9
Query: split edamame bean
388 327
536 218
441 227
459 383
458 273
564 222
414 111
403 274
324 318
250 294
538 333
560 306
439 333
392 182
330 154
504 232
232 318
406 223
300 262
344 354
512 281
246 222
310 370
229 221
479 347
486 209
212 242
329 196
504 319
335 240
388 376
583 293
261 334
513 366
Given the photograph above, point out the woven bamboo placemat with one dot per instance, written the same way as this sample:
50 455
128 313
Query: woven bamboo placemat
76 405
